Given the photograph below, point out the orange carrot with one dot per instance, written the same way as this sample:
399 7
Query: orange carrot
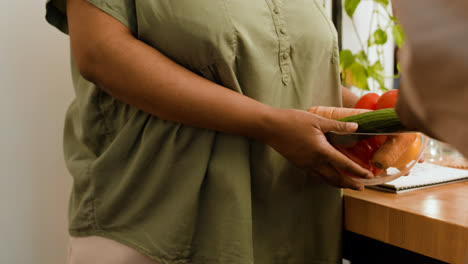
335 112
392 149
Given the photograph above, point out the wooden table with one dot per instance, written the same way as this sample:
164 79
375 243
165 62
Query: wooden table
432 221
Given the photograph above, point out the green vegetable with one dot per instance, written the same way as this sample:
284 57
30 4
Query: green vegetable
378 121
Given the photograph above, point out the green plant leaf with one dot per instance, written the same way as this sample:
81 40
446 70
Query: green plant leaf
399 35
359 76
380 37
361 57
376 72
350 6
346 59
383 2
399 71
376 68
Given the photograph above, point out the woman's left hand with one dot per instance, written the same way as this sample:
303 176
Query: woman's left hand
299 137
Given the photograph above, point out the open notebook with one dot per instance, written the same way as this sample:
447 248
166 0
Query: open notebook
423 175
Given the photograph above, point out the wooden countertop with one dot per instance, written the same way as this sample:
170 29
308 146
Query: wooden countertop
431 221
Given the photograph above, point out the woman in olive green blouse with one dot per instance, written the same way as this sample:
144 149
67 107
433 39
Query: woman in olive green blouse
188 140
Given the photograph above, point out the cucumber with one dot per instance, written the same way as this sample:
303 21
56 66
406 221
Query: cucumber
378 121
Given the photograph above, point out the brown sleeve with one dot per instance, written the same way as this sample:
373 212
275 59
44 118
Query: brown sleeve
434 62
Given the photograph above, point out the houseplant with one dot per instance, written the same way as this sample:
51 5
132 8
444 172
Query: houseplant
357 68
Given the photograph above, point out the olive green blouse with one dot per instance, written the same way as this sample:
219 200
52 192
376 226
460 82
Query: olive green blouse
181 194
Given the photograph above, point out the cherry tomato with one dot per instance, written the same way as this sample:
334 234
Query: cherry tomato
368 101
387 100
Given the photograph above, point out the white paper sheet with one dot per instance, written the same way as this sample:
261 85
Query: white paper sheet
424 175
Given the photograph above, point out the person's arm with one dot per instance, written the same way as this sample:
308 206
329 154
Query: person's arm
348 98
107 54
434 61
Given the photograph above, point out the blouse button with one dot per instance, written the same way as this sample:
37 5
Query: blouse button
334 59
285 55
283 30
285 79
276 10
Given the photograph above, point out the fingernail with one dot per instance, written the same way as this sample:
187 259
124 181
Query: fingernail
370 175
352 126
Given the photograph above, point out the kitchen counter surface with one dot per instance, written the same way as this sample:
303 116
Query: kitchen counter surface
432 221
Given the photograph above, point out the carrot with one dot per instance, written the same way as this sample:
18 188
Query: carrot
392 149
335 112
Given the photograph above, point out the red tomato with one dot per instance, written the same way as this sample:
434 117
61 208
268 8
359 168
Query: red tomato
387 100
377 141
355 158
363 151
367 101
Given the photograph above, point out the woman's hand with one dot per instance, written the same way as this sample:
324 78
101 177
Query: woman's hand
299 137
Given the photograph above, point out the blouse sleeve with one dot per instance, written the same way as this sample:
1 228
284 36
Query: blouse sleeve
122 10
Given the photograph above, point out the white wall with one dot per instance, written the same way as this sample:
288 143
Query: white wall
35 88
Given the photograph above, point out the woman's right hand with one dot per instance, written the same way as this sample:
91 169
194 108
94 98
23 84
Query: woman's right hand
299 137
